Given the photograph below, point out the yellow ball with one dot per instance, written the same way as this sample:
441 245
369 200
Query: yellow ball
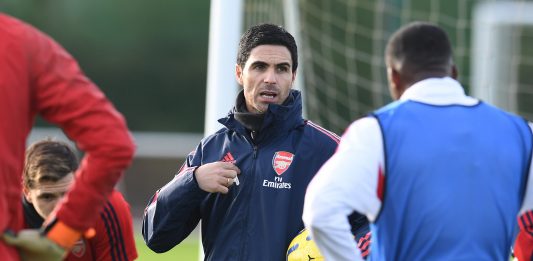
303 248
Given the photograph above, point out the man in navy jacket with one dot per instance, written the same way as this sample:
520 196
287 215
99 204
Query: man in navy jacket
247 181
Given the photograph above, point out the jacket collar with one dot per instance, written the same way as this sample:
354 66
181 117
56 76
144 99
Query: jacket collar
31 217
438 91
277 119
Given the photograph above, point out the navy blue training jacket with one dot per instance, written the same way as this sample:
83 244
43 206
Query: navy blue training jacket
257 219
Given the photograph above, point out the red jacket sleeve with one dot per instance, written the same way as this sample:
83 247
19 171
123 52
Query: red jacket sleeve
63 95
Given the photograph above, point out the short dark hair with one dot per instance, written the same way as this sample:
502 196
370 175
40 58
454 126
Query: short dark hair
48 160
419 47
266 34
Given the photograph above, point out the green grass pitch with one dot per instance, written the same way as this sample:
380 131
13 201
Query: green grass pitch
186 251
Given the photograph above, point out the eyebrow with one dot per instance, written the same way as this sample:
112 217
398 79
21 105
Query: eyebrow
45 194
258 63
265 63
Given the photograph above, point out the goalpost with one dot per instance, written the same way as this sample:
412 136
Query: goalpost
224 32
502 45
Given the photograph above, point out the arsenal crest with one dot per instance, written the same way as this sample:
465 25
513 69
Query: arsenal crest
79 248
281 161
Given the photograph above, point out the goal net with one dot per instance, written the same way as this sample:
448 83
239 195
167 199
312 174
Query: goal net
342 44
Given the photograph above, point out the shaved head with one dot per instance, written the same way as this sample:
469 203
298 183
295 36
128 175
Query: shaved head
420 50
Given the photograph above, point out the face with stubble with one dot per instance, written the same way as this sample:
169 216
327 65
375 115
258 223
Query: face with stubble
267 77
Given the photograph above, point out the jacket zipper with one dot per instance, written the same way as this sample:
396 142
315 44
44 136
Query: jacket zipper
253 135
245 221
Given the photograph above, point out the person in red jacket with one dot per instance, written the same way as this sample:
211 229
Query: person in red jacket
48 173
38 77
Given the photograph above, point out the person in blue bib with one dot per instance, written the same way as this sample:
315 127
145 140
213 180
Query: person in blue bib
440 175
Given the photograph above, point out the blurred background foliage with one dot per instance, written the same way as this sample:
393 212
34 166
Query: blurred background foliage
149 58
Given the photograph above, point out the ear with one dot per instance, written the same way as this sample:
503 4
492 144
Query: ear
26 192
454 73
395 78
396 86
293 77
238 74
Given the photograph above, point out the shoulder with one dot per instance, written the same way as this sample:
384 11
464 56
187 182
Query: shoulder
366 127
505 113
117 199
18 31
11 25
18 35
116 212
214 137
321 133
390 107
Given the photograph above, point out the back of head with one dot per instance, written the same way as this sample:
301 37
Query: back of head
266 34
420 49
48 161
